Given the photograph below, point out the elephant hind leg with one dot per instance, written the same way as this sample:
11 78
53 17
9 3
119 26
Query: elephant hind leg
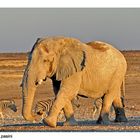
104 114
119 110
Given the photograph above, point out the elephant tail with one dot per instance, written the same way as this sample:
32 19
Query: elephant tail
123 91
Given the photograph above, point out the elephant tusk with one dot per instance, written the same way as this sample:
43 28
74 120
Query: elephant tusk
45 79
40 81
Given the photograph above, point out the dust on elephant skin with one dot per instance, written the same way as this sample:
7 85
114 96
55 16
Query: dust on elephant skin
95 71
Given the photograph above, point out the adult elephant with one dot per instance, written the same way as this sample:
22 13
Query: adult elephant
95 70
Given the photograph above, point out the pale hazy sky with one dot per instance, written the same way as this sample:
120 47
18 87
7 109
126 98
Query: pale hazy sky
19 28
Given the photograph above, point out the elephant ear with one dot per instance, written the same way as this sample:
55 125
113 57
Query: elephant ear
70 62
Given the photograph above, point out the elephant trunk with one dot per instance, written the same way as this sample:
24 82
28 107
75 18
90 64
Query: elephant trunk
28 91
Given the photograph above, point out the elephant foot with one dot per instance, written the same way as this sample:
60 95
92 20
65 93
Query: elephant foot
49 121
120 115
38 118
30 118
103 119
70 121
34 121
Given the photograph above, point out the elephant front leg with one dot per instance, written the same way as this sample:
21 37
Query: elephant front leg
68 90
60 102
68 109
69 113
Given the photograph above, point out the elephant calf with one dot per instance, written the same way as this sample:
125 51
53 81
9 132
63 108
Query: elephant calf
94 70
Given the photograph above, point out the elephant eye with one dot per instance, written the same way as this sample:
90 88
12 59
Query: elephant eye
45 60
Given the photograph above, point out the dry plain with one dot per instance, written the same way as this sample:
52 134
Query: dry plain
11 71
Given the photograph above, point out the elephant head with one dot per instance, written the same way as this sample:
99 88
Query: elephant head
57 56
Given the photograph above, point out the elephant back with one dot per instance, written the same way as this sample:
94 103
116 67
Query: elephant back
99 45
